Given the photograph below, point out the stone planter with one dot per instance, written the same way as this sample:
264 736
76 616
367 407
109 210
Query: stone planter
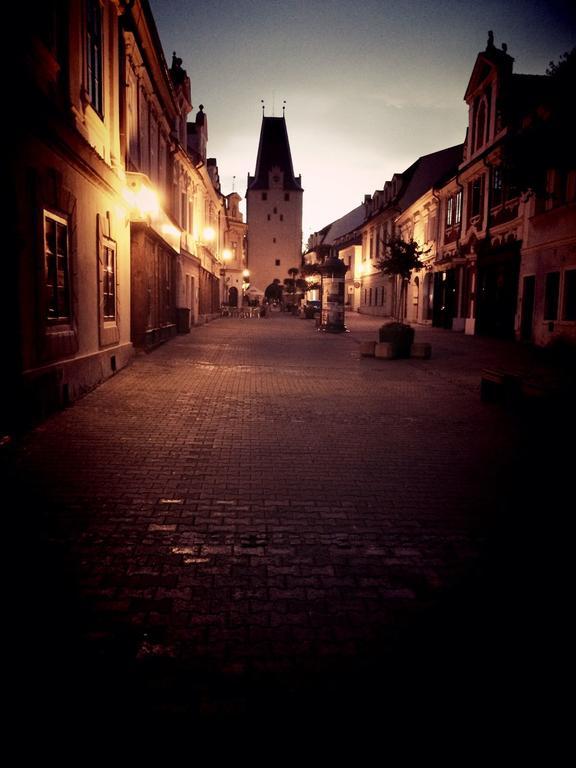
385 350
400 335
367 348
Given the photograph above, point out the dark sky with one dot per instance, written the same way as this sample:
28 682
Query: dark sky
370 85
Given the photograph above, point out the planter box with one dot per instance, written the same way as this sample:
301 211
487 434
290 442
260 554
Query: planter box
367 348
385 350
400 335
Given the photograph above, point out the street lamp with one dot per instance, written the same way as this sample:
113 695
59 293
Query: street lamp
245 282
226 256
209 234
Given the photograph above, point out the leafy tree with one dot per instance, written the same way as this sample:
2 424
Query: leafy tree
400 258
566 67
311 276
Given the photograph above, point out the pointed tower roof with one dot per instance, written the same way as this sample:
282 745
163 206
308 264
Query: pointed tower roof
274 152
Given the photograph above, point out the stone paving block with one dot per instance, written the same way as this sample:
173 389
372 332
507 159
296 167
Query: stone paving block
263 482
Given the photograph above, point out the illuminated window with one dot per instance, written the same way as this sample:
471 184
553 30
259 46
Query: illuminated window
56 268
458 216
109 280
449 211
94 53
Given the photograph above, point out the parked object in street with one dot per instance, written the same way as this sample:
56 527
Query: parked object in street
308 309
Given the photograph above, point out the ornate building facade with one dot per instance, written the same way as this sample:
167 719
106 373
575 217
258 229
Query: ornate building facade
118 225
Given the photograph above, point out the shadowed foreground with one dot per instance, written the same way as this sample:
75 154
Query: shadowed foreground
253 524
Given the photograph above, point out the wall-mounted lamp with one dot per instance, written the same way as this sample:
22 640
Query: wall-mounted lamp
142 199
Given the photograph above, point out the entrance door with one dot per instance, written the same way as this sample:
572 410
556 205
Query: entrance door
233 297
526 322
497 294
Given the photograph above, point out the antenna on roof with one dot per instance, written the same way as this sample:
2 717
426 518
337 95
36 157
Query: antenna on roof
262 102
284 108
233 183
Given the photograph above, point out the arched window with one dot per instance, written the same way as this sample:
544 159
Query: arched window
480 125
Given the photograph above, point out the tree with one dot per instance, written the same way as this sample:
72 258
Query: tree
312 276
400 258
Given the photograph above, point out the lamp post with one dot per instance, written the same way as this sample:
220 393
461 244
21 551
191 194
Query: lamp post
245 283
226 257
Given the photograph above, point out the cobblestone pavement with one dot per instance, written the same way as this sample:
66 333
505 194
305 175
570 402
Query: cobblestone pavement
252 521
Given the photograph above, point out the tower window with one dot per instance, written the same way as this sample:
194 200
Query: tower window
264 196
275 210
277 262
281 217
273 239
286 196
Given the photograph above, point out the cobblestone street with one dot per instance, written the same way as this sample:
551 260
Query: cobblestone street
252 519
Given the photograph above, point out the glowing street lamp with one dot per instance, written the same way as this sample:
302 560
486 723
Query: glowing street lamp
142 199
226 257
245 280
209 234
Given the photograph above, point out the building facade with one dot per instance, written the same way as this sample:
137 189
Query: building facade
508 223
406 207
70 231
117 222
274 208
496 216
236 276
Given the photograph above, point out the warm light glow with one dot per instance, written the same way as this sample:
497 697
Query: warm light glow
246 274
142 199
209 234
227 254
170 230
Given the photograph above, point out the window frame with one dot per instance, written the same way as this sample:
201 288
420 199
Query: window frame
51 292
551 295
95 55
569 301
109 247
